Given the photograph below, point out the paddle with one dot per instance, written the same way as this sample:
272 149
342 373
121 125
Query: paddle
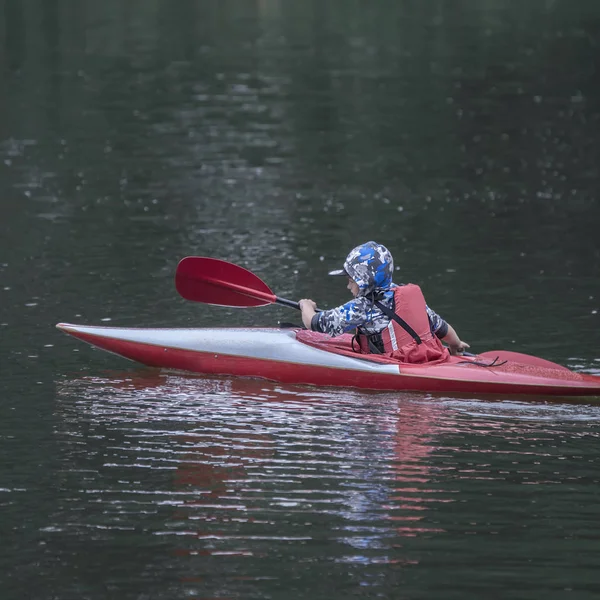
215 281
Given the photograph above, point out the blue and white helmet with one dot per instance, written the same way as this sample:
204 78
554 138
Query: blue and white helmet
371 266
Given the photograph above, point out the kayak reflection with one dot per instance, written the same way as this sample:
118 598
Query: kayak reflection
250 464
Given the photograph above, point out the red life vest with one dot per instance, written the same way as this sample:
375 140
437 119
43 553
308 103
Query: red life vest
409 304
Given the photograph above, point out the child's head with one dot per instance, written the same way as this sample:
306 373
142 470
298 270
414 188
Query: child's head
370 266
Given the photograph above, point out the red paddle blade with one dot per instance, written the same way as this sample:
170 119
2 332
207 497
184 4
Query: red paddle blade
219 282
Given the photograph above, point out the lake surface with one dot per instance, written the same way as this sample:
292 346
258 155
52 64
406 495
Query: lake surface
278 135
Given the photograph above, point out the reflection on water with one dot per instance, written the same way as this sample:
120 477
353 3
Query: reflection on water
242 486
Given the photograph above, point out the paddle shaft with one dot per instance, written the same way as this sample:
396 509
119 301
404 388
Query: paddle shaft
286 302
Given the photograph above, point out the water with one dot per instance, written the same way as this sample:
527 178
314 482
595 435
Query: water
175 486
277 136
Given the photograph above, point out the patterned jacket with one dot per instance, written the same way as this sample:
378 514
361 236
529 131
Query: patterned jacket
362 313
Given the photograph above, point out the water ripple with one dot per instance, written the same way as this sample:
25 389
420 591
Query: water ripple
238 471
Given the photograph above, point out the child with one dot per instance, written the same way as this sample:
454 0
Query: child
389 319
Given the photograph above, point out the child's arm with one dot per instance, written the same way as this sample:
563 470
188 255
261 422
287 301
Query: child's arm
334 321
455 345
308 311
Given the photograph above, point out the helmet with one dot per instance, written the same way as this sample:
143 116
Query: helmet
370 265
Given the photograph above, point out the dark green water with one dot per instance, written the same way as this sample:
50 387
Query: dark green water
278 135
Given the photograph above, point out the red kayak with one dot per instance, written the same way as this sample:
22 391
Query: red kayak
305 357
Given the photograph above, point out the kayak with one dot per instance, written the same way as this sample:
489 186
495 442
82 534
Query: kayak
299 356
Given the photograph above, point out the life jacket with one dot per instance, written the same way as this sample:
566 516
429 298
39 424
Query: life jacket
410 342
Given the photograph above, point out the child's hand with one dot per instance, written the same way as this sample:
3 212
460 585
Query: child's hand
458 348
307 303
308 308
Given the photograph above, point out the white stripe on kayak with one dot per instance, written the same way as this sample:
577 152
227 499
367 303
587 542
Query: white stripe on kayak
266 344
